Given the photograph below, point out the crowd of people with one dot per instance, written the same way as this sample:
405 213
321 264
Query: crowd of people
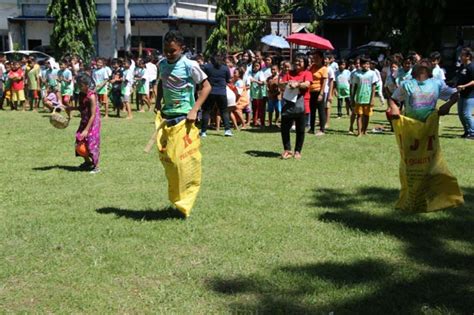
247 89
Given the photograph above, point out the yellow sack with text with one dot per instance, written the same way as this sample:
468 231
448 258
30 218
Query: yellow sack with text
426 183
178 149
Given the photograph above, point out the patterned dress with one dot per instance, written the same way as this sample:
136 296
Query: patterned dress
92 139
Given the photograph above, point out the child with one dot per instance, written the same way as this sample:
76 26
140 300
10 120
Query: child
89 127
7 93
179 98
256 81
65 82
405 72
438 73
33 77
178 77
242 97
101 80
378 85
356 69
143 87
329 88
16 76
343 88
116 82
363 96
421 94
391 80
126 88
274 96
51 99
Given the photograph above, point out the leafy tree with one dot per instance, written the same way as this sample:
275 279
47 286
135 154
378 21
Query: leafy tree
315 9
74 25
217 41
244 34
408 24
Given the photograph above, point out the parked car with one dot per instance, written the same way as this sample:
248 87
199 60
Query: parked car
47 49
41 57
146 52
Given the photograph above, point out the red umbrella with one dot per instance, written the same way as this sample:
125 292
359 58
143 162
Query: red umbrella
311 40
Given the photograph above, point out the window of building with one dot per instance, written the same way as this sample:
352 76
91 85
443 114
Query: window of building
148 42
32 43
4 43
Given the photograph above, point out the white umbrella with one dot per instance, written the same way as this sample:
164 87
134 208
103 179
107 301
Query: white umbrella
275 41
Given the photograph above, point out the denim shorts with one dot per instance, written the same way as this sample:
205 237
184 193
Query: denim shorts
274 105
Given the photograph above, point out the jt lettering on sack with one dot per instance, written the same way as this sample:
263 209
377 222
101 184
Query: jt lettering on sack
416 143
187 141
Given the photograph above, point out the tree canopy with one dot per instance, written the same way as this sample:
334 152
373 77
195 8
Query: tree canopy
74 25
408 24
245 34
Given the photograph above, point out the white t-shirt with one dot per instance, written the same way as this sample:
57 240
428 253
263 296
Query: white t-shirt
152 71
231 97
438 73
331 77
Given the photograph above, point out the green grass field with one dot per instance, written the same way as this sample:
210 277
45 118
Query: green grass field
315 236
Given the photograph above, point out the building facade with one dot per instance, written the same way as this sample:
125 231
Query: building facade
150 19
8 8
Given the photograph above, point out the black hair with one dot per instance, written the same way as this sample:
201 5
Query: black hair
342 61
216 61
435 55
318 53
397 57
423 65
84 79
257 63
409 60
174 36
466 51
364 59
241 71
304 57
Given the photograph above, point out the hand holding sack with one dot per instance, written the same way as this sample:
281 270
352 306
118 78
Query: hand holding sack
426 183
179 152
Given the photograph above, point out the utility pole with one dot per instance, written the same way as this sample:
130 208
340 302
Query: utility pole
128 27
113 27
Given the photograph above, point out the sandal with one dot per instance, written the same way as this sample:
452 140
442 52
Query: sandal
286 155
297 156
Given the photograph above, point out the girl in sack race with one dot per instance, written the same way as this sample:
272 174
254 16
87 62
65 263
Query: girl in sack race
426 183
88 133
295 110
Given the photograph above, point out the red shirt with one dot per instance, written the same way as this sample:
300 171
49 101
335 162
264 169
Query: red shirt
302 76
17 85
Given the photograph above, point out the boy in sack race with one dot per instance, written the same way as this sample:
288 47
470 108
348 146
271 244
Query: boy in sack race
426 183
177 136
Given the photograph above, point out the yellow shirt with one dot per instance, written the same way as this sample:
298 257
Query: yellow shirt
319 75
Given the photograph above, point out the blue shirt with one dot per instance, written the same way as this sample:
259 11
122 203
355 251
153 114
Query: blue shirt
420 97
178 81
218 78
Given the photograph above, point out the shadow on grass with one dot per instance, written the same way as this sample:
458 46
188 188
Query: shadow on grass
431 273
68 168
264 154
272 129
143 215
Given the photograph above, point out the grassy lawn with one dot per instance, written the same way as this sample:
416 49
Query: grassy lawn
318 235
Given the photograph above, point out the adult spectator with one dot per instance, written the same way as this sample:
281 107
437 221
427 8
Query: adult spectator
218 75
466 89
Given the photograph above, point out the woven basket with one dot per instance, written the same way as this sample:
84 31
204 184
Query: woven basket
57 120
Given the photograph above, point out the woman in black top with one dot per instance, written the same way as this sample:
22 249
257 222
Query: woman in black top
218 75
466 93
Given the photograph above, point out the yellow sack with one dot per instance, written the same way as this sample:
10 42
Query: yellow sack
427 184
178 149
